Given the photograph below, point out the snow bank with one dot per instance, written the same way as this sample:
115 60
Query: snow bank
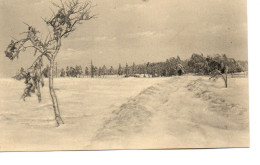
183 112
229 112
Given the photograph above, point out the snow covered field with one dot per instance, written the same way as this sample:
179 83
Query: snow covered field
127 113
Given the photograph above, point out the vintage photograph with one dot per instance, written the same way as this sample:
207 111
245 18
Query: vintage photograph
123 74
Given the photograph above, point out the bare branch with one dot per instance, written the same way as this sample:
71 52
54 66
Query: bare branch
63 22
26 24
35 52
56 5
13 38
69 14
44 20
52 12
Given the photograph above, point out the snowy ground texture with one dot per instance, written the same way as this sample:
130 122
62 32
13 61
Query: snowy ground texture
127 113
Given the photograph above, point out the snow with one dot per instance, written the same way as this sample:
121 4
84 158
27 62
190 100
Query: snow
127 113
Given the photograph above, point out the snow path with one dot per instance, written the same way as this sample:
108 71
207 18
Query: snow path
184 112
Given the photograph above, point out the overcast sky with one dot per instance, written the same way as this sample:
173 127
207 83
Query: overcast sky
134 31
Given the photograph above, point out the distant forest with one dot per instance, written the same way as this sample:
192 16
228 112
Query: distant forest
197 64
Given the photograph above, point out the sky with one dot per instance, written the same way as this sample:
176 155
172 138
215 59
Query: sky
127 31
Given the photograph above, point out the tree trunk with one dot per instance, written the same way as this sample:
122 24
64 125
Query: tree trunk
226 81
39 92
53 95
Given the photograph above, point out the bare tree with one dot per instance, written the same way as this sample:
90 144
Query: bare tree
68 15
215 75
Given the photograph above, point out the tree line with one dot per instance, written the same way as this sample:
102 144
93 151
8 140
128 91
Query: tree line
197 64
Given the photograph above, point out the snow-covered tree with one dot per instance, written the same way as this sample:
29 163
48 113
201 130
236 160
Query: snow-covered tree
63 21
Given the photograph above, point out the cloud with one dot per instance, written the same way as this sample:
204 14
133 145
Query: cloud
104 38
71 50
95 39
68 53
81 38
145 34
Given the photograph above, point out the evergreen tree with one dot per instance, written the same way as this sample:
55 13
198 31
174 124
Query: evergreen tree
92 69
104 70
148 69
133 68
120 70
67 71
86 71
78 71
72 72
62 73
95 71
111 70
99 71
126 70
